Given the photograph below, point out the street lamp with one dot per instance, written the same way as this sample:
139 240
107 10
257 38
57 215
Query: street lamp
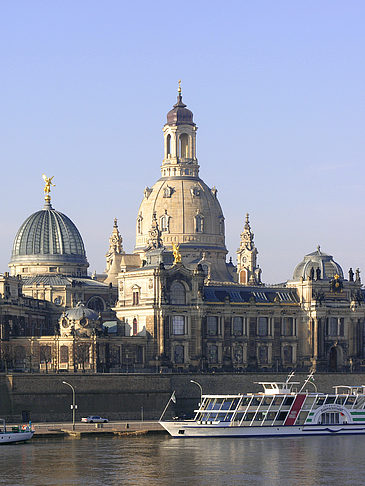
73 406
201 390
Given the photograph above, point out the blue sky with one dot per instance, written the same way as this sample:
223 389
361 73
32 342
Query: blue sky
277 91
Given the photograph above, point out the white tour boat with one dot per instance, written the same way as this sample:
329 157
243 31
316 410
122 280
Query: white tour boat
17 433
279 410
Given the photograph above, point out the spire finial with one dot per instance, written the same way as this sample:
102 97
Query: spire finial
179 89
247 218
115 223
47 188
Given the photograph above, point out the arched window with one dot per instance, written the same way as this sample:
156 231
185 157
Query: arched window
168 145
199 223
184 146
179 354
96 304
64 354
135 327
164 223
178 294
221 226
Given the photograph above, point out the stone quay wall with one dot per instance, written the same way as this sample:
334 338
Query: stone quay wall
132 396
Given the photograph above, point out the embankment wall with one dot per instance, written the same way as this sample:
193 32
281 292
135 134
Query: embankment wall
131 396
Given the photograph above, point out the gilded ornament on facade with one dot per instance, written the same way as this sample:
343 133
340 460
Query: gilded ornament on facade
177 255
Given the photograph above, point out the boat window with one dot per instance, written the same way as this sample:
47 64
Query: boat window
235 403
227 417
227 404
282 416
259 417
350 401
255 401
288 401
218 404
209 405
245 401
330 400
239 416
267 401
309 402
277 401
302 418
360 401
320 401
249 416
341 399
270 416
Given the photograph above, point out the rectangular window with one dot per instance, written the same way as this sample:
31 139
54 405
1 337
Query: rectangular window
212 325
135 298
237 326
263 355
178 325
287 328
263 326
332 326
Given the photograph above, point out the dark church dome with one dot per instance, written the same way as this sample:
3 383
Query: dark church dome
328 268
180 115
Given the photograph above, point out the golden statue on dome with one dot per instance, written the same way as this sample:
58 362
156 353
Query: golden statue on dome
47 188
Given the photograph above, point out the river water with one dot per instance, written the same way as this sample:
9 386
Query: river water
163 461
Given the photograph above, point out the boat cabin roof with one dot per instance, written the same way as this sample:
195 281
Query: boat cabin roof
277 387
349 389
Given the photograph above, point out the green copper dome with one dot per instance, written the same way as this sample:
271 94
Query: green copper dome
49 237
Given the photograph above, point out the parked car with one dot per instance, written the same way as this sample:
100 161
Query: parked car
91 419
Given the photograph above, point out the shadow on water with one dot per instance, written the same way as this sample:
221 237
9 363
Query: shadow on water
163 461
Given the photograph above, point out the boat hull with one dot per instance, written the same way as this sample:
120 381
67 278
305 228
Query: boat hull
187 430
12 437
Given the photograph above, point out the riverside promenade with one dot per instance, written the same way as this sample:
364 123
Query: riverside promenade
130 428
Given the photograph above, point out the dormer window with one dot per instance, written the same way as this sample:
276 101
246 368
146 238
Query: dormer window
168 191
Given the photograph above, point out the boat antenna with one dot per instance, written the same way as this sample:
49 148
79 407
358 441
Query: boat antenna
309 379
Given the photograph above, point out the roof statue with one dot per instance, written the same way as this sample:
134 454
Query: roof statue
47 187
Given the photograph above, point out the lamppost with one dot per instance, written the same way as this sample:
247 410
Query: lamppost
73 406
201 389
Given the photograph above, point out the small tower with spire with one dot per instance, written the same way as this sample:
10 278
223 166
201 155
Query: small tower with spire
179 141
248 271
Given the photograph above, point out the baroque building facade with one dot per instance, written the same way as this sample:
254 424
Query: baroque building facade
174 303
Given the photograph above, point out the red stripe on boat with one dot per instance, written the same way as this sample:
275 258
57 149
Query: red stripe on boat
295 409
